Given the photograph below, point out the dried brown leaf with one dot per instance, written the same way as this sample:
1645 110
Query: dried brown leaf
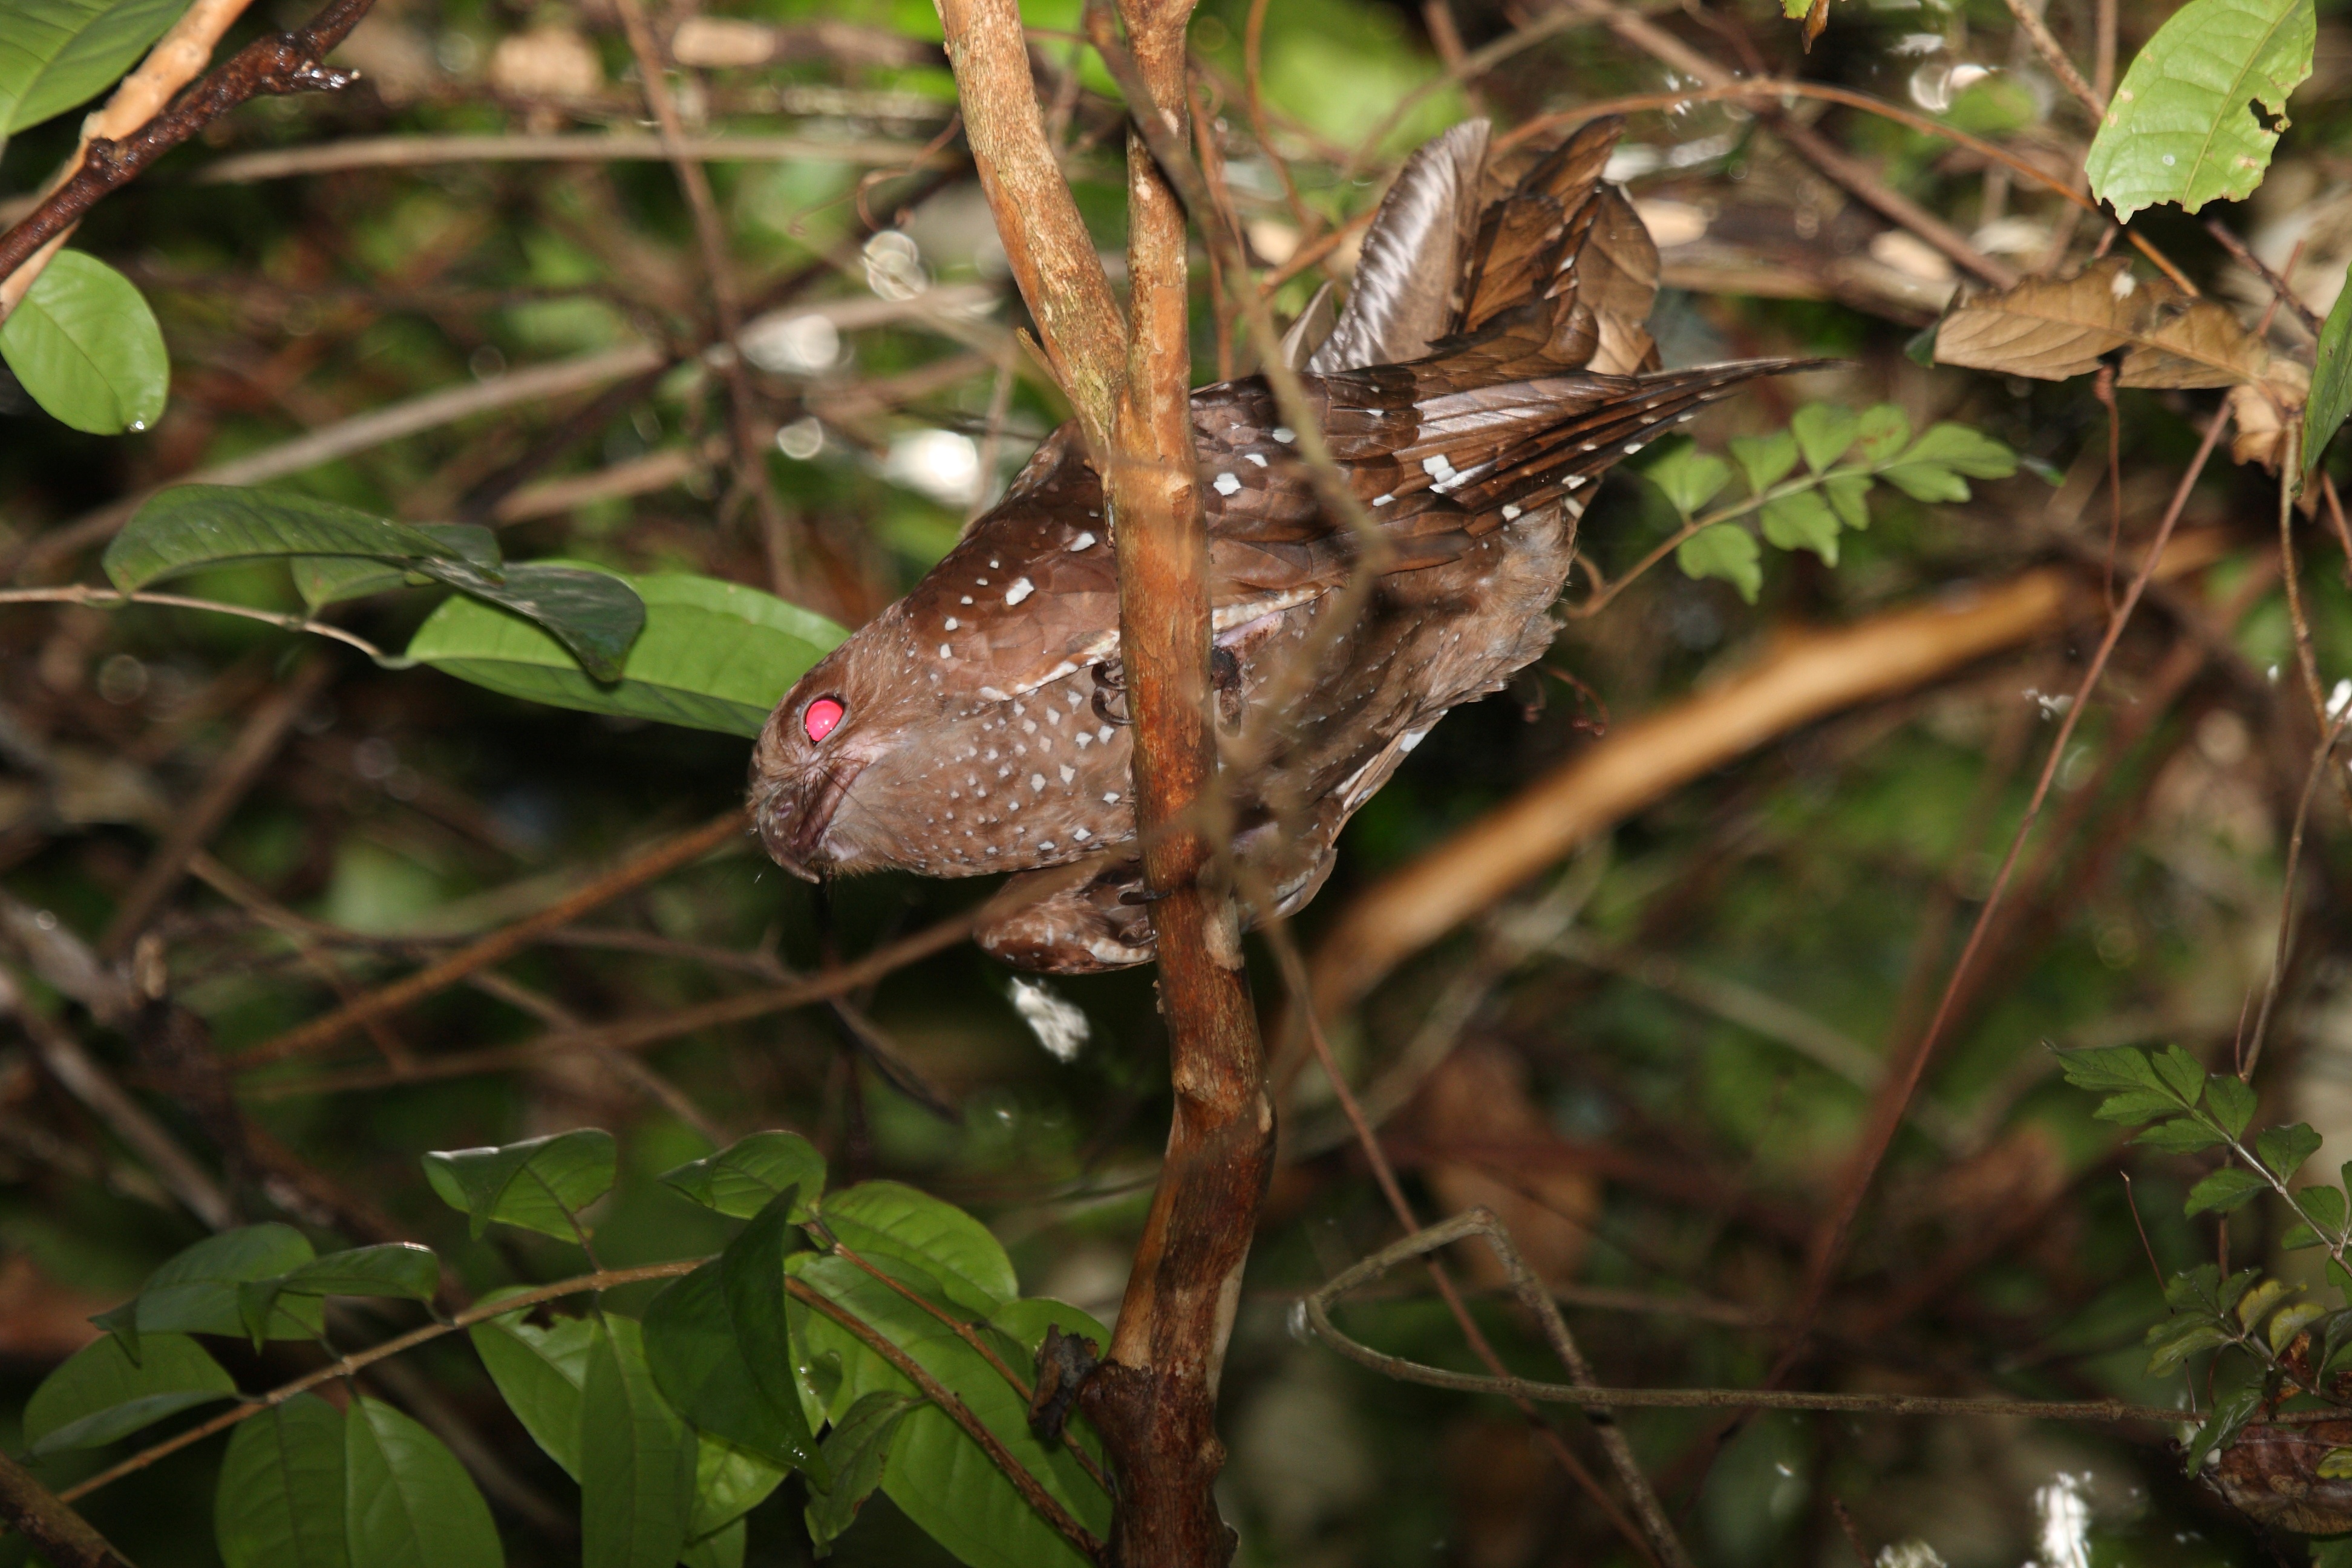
2273 1473
2050 329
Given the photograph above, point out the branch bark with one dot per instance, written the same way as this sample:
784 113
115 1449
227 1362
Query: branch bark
56 1531
1153 1398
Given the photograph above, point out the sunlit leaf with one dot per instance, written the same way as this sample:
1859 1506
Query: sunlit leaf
86 349
2184 124
191 526
891 1219
540 1184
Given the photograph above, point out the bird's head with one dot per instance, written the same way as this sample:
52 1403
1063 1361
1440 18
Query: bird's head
838 721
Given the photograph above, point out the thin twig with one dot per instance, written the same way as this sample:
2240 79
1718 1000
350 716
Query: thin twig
98 598
592 147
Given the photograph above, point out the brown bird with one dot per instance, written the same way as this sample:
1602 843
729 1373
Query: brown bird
1490 366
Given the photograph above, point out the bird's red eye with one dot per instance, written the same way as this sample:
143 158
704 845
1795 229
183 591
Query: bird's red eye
821 716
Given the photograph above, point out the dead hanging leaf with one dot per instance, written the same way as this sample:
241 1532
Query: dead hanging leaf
2263 414
2281 1477
2050 329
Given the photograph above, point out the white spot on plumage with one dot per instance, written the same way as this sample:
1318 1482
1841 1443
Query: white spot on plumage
952 623
1021 589
1227 485
1383 501
1068 772
1510 513
1085 540
1257 458
1111 797
944 652
1285 434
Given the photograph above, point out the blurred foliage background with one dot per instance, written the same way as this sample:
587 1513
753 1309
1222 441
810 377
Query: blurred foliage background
1653 1058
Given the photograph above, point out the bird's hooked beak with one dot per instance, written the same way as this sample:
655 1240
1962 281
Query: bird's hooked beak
794 814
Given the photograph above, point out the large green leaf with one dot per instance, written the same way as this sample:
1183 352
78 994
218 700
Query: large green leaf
539 1373
729 1483
2183 126
741 1178
713 655
699 1364
100 1393
891 1219
87 348
636 1458
540 1184
281 1501
937 1474
408 1503
2331 382
197 1293
188 526
54 54
395 1268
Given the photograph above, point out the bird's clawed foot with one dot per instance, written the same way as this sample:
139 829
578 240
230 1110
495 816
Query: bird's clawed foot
1110 681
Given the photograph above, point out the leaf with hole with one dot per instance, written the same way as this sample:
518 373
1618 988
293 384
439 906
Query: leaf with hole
85 347
54 54
540 1184
1726 550
2187 124
100 1393
712 656
739 1180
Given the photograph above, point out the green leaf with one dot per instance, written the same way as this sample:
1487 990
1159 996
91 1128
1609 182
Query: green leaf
54 54
2325 1207
740 1179
408 1503
1726 551
2183 1135
1883 430
1962 451
280 1501
395 1268
594 614
1689 477
2182 1071
1824 432
2110 1067
2300 1235
2290 1322
2259 1301
878 1219
100 1393
2137 1105
2231 1414
2224 1191
1925 481
857 1449
2177 1340
936 1475
702 1365
539 1373
1849 496
2331 382
540 1184
2283 1150
729 1483
713 655
721 1548
87 348
1765 460
2334 1551
188 526
636 1458
752 1277
1803 522
196 1292
2231 1102
2183 125
330 579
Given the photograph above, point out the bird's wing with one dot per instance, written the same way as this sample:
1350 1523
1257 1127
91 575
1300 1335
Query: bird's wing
1402 297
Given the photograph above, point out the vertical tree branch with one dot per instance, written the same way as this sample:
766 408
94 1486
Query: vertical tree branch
1154 1399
